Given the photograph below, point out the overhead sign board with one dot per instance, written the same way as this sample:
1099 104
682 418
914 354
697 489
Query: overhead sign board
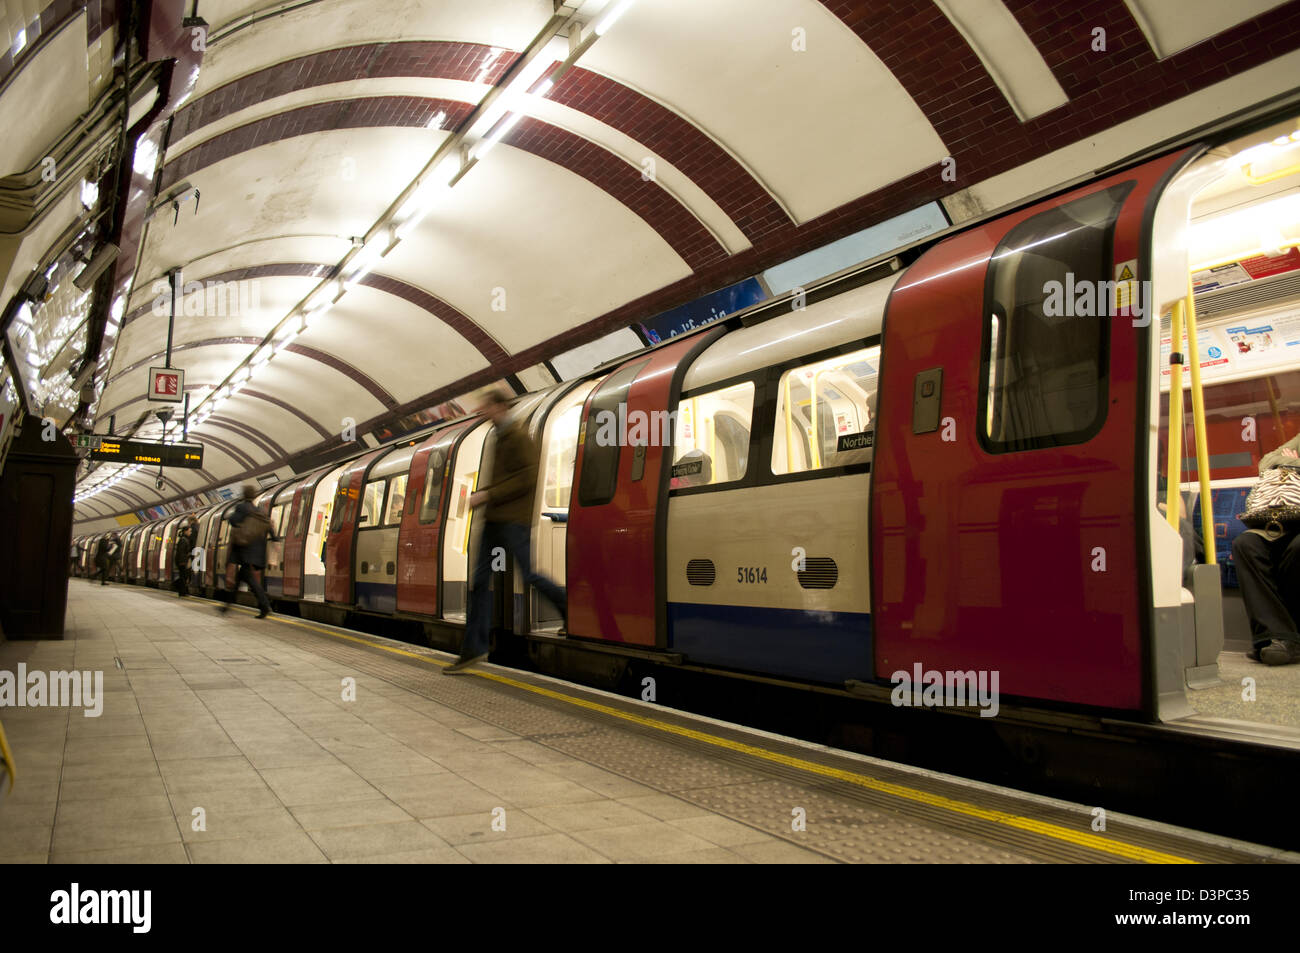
166 384
88 441
188 455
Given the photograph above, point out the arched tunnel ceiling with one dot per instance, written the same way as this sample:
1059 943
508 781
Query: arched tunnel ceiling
770 127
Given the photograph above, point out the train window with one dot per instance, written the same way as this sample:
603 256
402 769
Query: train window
277 517
340 507
396 499
559 461
372 503
711 444
826 412
433 485
600 441
1043 371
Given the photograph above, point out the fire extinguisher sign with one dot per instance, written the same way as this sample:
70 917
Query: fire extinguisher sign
166 384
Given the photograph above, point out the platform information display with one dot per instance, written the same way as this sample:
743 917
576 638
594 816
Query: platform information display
188 455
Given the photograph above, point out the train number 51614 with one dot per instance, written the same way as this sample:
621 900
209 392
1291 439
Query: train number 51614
751 574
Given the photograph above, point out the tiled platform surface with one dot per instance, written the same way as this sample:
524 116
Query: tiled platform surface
245 721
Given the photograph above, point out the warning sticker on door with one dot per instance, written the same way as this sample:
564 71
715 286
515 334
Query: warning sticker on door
1126 286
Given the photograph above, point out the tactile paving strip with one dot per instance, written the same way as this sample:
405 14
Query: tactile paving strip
845 821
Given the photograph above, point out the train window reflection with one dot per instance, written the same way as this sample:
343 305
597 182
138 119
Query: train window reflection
372 503
1048 297
396 499
826 413
560 456
433 484
600 455
711 443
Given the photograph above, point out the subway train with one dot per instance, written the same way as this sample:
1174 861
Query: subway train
919 463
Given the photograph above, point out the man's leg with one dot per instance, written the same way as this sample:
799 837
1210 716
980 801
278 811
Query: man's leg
1287 576
227 595
1254 557
250 575
478 616
519 542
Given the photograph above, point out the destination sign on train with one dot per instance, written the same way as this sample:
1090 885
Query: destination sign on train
150 454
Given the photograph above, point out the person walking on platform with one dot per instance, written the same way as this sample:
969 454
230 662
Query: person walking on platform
507 510
249 531
1268 570
181 559
106 556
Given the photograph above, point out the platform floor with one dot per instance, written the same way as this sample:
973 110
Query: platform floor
243 722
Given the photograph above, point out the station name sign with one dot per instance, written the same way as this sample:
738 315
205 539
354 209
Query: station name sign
150 454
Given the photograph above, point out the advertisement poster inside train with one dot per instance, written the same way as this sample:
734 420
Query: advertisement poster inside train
1211 347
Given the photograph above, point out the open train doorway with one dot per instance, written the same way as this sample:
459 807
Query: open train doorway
459 522
1226 244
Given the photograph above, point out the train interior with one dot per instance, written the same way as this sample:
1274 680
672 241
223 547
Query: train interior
1228 229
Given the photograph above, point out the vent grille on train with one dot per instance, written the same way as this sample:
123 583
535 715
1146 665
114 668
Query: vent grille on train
1255 294
700 572
819 572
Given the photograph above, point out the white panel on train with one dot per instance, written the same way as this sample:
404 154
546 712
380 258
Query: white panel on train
852 316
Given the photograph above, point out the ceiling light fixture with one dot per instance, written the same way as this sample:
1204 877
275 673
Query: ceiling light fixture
611 16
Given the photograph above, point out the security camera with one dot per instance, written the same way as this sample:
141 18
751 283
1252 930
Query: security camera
158 483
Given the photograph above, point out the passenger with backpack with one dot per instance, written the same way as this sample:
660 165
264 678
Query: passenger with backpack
181 558
250 528
105 555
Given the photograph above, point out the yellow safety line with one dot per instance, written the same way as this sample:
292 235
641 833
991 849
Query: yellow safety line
1042 828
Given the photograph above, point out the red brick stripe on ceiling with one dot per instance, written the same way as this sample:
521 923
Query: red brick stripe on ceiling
188 345
1127 80
347 370
457 320
245 392
707 164
937 68
950 85
602 168
272 449
285 405
659 208
230 450
362 113
276 270
746 201
432 59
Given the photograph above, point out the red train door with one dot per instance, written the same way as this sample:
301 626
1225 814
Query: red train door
295 534
343 528
614 553
419 539
1010 453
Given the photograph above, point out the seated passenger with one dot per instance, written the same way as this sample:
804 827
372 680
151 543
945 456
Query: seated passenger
702 476
1268 569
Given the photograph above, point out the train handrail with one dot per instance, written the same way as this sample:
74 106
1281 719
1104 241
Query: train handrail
1174 470
1185 313
7 763
1198 424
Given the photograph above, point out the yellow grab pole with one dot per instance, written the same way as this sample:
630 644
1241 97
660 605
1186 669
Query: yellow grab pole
1174 471
7 763
1198 421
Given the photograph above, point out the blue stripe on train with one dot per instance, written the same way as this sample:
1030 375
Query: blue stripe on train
377 596
822 646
